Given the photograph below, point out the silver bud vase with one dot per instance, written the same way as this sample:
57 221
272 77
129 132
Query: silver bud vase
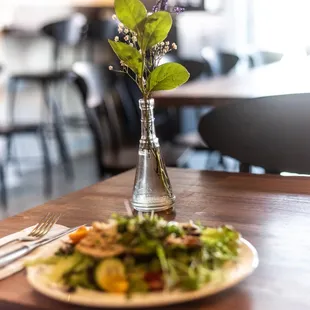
152 189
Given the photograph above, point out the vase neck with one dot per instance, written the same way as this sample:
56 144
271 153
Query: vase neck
148 134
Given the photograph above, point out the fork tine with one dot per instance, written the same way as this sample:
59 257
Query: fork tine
43 227
38 226
49 225
44 224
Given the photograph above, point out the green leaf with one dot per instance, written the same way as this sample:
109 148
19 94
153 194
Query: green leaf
129 55
156 29
167 76
130 12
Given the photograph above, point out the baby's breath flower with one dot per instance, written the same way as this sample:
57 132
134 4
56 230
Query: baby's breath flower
116 39
126 38
120 30
121 25
114 17
166 49
167 42
140 51
130 44
126 30
134 39
174 46
162 43
110 68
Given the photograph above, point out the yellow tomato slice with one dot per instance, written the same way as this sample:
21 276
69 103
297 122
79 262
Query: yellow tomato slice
110 276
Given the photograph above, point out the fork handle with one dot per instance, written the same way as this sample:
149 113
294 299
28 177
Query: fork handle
9 242
14 255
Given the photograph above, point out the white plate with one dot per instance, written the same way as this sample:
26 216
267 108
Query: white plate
233 274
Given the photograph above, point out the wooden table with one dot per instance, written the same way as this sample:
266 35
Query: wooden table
284 77
272 212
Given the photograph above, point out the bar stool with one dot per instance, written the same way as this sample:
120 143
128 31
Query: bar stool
67 32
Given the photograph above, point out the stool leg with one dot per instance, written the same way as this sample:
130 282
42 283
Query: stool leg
57 124
3 188
12 94
47 170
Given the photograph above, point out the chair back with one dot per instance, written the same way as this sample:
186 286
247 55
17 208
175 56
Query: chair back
102 91
101 30
98 33
97 87
68 31
268 132
218 62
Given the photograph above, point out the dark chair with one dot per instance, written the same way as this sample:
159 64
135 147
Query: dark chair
261 58
267 132
115 152
98 33
218 62
69 32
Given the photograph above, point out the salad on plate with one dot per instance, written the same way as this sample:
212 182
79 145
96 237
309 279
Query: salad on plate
141 254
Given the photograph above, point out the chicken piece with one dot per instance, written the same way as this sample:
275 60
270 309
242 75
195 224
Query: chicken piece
101 252
107 229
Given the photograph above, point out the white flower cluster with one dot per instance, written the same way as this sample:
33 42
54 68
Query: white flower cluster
161 49
130 37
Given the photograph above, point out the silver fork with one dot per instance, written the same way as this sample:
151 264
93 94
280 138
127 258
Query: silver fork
40 230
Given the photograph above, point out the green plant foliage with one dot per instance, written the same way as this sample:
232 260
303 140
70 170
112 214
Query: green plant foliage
167 76
144 46
129 55
130 12
156 29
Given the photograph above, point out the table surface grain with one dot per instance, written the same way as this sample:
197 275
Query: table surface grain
272 212
283 77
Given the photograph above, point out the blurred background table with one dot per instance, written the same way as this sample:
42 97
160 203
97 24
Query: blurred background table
283 77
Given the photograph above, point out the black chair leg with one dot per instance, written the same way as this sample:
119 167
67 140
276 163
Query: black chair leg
245 168
3 197
12 94
47 165
57 124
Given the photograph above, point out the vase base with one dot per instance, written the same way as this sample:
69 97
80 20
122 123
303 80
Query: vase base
149 207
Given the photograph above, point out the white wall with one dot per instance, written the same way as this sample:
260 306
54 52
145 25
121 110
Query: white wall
226 30
281 25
